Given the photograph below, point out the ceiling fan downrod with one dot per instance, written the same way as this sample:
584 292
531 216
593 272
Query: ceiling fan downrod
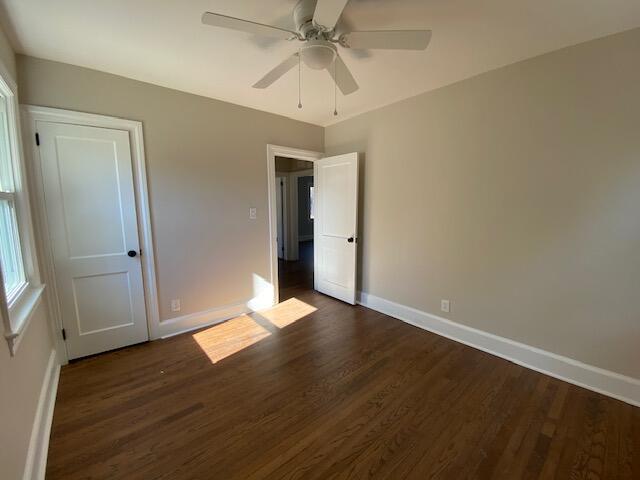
299 81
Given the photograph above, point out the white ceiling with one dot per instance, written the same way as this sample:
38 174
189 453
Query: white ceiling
163 42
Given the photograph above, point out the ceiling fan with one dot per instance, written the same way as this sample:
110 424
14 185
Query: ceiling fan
315 22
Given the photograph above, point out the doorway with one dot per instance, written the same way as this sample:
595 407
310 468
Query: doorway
327 265
295 217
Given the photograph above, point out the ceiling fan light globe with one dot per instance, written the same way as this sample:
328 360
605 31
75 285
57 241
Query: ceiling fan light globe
318 56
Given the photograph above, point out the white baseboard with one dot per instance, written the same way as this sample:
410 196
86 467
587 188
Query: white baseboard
36 463
593 378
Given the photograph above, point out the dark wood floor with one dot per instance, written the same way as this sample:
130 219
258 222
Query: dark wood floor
297 274
316 389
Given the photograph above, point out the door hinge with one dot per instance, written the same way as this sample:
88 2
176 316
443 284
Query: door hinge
64 334
37 138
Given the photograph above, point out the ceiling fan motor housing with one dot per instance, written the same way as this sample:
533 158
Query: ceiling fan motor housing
303 19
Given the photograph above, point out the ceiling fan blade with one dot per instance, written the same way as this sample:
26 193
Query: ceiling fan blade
387 40
217 20
328 12
277 72
342 76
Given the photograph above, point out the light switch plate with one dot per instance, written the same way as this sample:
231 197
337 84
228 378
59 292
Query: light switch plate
252 213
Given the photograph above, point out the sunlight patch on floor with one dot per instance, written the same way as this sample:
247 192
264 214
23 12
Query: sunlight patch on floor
287 312
225 339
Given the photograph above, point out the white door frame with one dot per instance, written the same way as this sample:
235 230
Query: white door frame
274 151
30 116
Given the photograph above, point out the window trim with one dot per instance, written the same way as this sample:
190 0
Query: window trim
17 312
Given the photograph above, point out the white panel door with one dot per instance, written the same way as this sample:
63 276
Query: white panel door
336 226
91 215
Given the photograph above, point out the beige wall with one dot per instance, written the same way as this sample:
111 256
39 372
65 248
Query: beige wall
207 166
21 376
7 57
516 195
21 379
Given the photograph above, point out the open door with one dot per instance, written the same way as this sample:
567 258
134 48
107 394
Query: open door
336 226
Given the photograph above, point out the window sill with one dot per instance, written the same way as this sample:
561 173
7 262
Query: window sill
20 314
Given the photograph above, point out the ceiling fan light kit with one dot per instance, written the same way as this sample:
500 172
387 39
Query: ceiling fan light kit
318 54
315 22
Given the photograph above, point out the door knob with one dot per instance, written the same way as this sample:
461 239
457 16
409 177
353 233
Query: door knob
132 253
350 239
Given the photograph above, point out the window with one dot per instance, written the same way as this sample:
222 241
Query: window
13 273
20 287
311 203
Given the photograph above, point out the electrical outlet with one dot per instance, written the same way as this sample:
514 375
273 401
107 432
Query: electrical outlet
252 213
175 305
445 305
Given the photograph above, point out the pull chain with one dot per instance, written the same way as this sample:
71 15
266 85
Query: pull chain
299 80
335 89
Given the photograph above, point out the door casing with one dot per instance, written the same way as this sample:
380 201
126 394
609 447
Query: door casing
274 151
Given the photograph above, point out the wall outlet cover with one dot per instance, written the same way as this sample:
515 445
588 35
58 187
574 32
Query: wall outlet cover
445 305
175 305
